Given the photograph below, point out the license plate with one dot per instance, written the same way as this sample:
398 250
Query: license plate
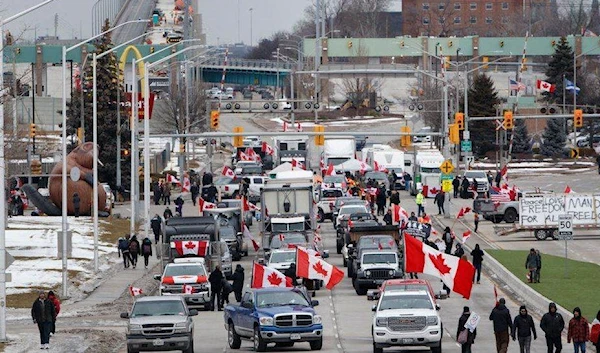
295 336
407 340
158 342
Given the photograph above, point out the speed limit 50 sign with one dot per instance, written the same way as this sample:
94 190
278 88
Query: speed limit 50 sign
565 226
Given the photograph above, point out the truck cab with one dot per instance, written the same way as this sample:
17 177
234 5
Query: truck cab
361 239
289 148
339 149
374 268
427 176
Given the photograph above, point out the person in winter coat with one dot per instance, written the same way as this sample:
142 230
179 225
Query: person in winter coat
225 291
500 316
167 214
531 264
124 250
464 188
419 199
167 193
595 332
539 267
412 217
179 205
76 204
216 283
578 331
477 255
157 193
381 200
238 282
195 190
439 201
146 250
134 250
553 324
459 252
395 198
42 313
470 339
156 224
456 186
54 300
387 219
476 221
448 240
523 328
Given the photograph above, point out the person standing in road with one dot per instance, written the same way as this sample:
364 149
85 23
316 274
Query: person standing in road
134 250
459 251
523 328
146 250
195 190
531 264
595 332
381 199
419 199
76 204
157 193
167 214
552 324
502 321
238 282
42 313
124 250
467 339
225 291
167 194
179 205
476 221
578 331
216 286
54 300
464 188
448 238
156 225
439 201
456 186
387 219
395 198
477 255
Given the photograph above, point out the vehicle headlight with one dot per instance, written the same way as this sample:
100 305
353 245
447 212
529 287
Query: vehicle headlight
392 272
381 321
317 319
368 273
266 321
134 329
432 320
181 327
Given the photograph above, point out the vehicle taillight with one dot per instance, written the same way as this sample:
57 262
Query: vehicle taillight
227 188
331 204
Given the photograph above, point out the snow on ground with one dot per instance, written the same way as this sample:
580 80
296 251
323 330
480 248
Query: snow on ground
33 243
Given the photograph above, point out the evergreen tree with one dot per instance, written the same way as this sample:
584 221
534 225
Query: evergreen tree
107 71
483 99
521 140
554 138
559 68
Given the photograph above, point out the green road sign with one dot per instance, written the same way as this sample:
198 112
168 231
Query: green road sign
466 146
447 176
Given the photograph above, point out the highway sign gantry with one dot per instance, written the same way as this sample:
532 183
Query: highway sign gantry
447 167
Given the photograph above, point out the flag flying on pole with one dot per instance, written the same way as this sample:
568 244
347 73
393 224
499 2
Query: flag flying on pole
545 86
516 86
264 277
569 86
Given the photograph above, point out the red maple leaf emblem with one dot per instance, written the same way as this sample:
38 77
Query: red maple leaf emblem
434 191
190 245
274 279
438 262
319 269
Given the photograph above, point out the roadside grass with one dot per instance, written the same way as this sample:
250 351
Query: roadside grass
113 228
578 288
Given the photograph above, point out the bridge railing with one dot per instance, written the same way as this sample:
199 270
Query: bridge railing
264 64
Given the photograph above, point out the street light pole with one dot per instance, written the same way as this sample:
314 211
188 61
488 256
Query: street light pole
251 39
276 90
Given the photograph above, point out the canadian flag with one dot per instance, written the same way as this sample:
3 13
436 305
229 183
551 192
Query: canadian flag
244 157
466 235
264 277
463 211
267 149
455 272
171 179
134 291
252 154
205 205
311 267
187 289
504 171
364 167
379 168
568 190
330 170
228 172
248 206
281 237
186 184
297 164
190 247
299 127
399 214
285 126
249 235
545 86
322 164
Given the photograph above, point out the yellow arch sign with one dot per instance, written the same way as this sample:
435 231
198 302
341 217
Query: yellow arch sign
123 61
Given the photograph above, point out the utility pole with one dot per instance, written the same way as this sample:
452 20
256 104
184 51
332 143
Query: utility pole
317 55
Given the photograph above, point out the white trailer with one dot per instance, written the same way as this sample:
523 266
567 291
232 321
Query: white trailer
339 149
427 174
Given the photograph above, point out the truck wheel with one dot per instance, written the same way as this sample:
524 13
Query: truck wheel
360 290
377 349
190 347
259 344
437 349
233 338
511 215
316 345
540 234
553 233
320 216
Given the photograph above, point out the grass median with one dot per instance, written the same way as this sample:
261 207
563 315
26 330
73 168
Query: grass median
578 288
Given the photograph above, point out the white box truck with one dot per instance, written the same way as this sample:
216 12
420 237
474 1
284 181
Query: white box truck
339 149
427 173
291 147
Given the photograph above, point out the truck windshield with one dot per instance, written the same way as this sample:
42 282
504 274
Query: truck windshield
286 227
182 270
227 233
379 259
336 161
287 256
405 302
289 238
269 299
430 170
158 308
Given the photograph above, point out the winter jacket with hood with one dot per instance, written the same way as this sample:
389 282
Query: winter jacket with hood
523 325
238 279
579 329
147 247
501 318
461 326
43 311
552 322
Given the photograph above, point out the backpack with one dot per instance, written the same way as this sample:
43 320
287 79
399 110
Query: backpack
463 336
146 248
134 246
123 246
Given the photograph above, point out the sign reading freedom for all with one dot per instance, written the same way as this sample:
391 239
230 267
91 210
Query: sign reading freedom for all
543 210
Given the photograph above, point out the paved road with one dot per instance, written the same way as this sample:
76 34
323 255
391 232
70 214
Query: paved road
133 10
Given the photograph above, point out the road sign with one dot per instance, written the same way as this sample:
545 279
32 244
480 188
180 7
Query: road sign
466 146
447 177
447 167
565 227
575 153
8 259
469 160
447 185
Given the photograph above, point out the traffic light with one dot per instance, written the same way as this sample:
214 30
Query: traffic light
319 139
125 152
508 120
454 134
459 119
214 119
181 147
36 167
446 62
238 141
151 50
485 60
578 118
405 140
32 130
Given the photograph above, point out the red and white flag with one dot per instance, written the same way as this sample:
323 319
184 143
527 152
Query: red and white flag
455 272
267 149
186 184
495 295
281 237
171 179
265 277
463 211
322 164
568 190
244 156
312 267
251 153
247 234
399 214
134 291
504 172
379 168
364 167
205 205
285 126
299 127
191 247
228 172
466 235
545 86
188 289
297 164
249 206
330 170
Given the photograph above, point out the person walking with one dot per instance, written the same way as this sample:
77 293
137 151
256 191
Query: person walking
595 332
439 200
578 331
464 188
76 204
456 186
157 193
167 214
539 266
225 291
179 205
42 313
477 255
146 250
553 324
195 190
134 250
419 199
464 336
448 238
238 282
216 284
523 328
156 225
381 200
124 250
395 198
54 300
476 221
167 194
531 264
500 316
387 219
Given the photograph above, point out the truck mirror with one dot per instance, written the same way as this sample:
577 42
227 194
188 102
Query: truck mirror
325 254
374 308
371 294
437 307
247 305
156 277
124 315
314 302
193 312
